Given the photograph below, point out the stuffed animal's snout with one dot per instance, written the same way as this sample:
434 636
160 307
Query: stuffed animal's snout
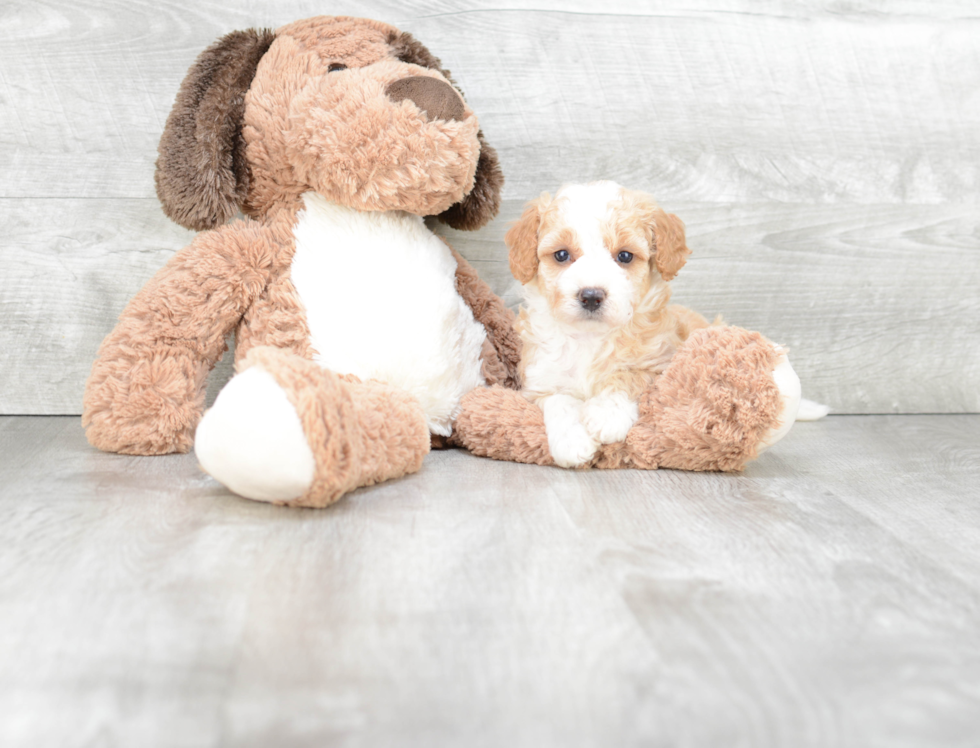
352 109
435 98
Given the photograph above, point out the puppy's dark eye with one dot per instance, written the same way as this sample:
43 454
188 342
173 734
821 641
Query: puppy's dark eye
625 257
334 66
561 255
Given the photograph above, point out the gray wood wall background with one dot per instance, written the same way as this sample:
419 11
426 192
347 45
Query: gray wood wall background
824 156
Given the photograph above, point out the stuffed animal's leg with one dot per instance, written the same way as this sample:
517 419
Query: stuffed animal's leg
789 401
727 394
500 423
145 398
286 430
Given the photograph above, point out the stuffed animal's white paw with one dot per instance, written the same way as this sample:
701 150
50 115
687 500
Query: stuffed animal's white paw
252 440
609 416
791 393
568 441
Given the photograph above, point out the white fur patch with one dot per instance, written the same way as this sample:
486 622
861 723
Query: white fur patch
609 416
570 444
584 208
252 440
564 352
381 303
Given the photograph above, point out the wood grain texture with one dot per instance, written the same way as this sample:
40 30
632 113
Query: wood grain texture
70 267
828 596
823 154
878 304
726 101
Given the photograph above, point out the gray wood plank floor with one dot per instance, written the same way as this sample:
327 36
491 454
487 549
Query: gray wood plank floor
829 596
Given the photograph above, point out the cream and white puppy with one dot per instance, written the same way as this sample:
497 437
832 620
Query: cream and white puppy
595 262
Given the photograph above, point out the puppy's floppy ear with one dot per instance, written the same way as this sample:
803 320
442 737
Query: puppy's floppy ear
522 240
671 251
483 201
202 176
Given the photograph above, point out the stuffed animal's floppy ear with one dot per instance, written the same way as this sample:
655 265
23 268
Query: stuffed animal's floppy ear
522 240
202 176
483 201
671 248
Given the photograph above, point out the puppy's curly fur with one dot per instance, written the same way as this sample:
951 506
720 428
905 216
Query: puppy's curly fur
622 379
596 325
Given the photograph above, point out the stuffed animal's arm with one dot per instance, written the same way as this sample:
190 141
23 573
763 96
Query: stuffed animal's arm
715 406
502 352
146 391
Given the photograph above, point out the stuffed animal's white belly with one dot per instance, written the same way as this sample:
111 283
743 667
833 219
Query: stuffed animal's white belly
381 303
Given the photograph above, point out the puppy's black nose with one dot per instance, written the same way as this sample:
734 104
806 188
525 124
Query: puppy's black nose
437 99
591 298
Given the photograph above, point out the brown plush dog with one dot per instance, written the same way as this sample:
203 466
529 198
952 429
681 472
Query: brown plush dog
358 330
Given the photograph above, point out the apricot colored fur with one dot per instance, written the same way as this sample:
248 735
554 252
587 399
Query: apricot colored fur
636 352
705 395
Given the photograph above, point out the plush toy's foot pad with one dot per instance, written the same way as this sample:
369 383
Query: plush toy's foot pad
500 423
252 440
712 406
354 433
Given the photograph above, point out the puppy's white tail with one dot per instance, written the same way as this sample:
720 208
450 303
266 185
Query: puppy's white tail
811 411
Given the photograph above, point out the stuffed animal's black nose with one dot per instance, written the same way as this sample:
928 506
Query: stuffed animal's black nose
591 298
436 98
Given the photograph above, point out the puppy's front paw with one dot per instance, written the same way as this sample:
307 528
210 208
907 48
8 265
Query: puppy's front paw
568 441
571 446
608 417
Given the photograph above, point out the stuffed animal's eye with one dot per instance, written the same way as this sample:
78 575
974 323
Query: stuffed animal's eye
334 66
625 257
561 255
